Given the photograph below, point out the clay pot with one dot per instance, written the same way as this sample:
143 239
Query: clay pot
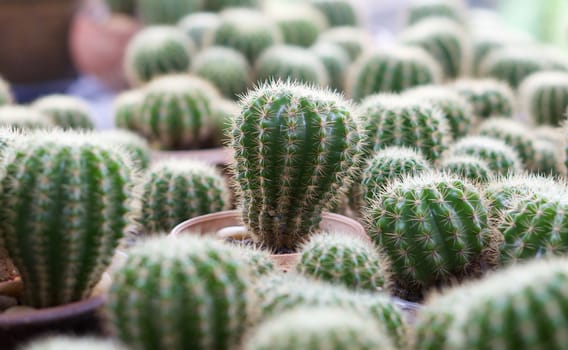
212 223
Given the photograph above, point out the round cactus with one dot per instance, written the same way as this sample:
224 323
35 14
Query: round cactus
184 293
218 5
445 40
300 23
157 50
319 328
544 96
336 61
226 68
486 41
63 220
514 133
468 167
500 157
23 118
223 112
513 65
248 31
136 146
354 40
5 93
260 261
65 111
176 190
547 158
283 62
392 70
166 11
309 146
433 229
126 109
177 111
339 13
488 97
199 26
448 9
456 108
345 260
67 342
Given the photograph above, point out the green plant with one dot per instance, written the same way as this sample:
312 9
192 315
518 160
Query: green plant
468 167
339 13
176 190
514 134
199 26
513 64
6 97
422 10
63 220
488 97
226 68
391 69
126 109
223 112
23 118
65 111
122 6
260 261
544 96
184 293
300 23
354 40
297 149
62 342
218 5
432 229
135 145
547 158
167 11
336 61
155 51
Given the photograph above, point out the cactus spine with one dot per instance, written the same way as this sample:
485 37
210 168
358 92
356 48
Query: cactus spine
199 26
468 167
354 40
336 61
339 13
68 342
545 97
166 11
65 111
488 97
514 133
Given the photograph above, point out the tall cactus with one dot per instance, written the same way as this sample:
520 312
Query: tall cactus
544 97
65 111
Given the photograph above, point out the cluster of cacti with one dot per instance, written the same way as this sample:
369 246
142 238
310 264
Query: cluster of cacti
392 70
336 62
513 64
226 68
68 342
199 26
155 51
167 11
514 134
297 150
488 97
286 62
468 167
183 293
339 13
5 93
500 157
354 40
420 10
135 145
126 109
65 111
63 220
433 229
176 190
544 96
300 23
23 118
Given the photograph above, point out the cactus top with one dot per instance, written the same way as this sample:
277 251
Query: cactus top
354 40
22 117
61 102
248 21
424 9
544 79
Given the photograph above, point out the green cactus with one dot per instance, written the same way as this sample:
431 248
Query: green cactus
300 23
177 111
136 146
339 13
184 293
248 31
390 70
63 342
65 111
336 61
155 51
23 118
468 167
284 62
547 159
167 11
488 40
218 5
423 10
199 26
126 110
514 134
260 261
445 40
500 157
177 190
5 93
488 97
63 220
544 97
319 328
223 112
354 40
433 229
513 64
297 149
457 110
226 68
127 7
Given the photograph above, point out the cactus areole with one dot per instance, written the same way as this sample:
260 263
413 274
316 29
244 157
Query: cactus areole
296 149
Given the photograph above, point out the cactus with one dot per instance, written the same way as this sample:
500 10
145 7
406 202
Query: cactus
457 110
319 328
248 31
5 93
433 229
300 23
339 13
500 157
126 110
423 10
488 97
260 261
177 111
218 5
62 342
340 259
336 61
513 64
354 40
296 151
393 120
223 112
489 40
64 219
514 134
155 51
177 190
167 11
65 111
547 159
226 68
199 26
544 97
468 167
283 62
127 7
445 40
184 293
392 70
136 146
23 118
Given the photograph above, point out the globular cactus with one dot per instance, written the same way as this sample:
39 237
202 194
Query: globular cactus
127 7
547 158
226 68
339 13
199 26
488 97
468 167
319 328
284 62
248 31
68 342
433 229
422 10
341 259
23 118
261 263
65 111
166 11
297 149
6 97
445 40
127 107
336 62
135 145
64 219
513 64
223 112
177 111
544 97
184 293
177 190
456 108
155 51
500 157
491 37
218 5
392 70
300 23
354 40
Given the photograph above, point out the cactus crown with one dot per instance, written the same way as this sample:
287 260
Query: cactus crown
338 12
65 111
23 118
447 9
489 97
513 64
514 133
354 40
135 145
126 107
468 167
544 97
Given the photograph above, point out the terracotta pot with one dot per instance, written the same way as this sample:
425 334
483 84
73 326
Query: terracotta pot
212 223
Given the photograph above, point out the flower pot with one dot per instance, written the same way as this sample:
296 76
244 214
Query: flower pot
213 223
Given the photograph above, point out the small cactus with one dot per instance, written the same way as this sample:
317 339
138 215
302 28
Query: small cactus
223 112
392 70
127 107
423 10
67 342
547 158
336 61
5 93
218 5
339 13
488 97
468 167
65 111
184 293
513 64
155 51
176 190
300 23
354 40
166 11
23 118
544 97
136 146
199 26
260 261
